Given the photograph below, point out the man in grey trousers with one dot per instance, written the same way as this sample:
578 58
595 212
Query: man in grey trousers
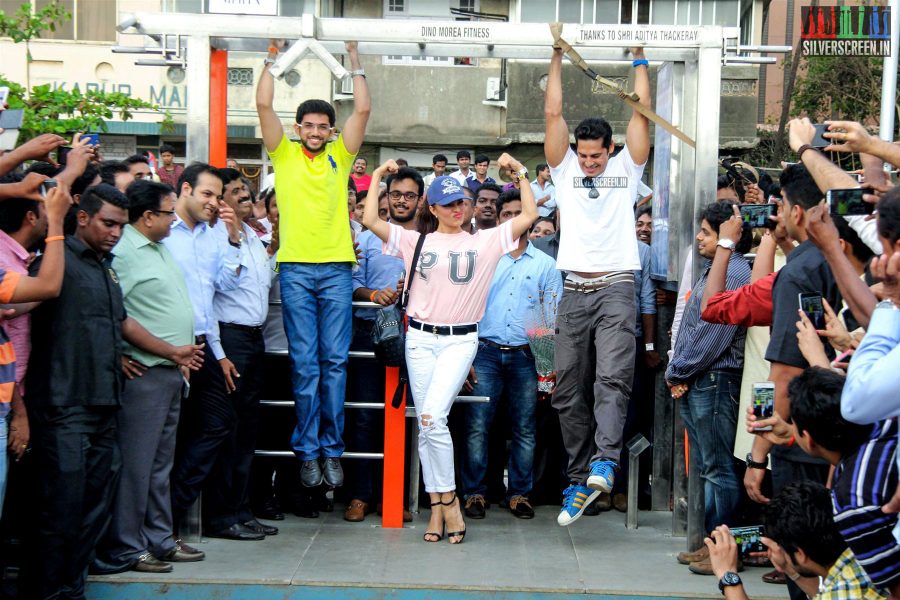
594 192
155 294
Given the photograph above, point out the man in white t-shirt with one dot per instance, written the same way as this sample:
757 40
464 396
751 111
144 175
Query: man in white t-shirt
463 160
595 194
438 165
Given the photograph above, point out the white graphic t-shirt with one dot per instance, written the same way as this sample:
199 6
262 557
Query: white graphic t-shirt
597 234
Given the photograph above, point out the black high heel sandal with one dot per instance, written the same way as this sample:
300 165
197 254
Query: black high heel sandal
434 533
455 534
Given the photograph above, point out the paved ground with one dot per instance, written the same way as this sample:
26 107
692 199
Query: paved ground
502 556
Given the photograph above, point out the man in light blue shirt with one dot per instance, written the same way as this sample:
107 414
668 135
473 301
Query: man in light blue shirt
872 391
525 286
207 267
544 191
241 313
375 281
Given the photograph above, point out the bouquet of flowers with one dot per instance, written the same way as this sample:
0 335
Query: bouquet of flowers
540 331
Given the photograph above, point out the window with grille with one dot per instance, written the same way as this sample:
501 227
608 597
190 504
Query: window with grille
241 76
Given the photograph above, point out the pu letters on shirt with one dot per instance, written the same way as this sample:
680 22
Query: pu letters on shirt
462 266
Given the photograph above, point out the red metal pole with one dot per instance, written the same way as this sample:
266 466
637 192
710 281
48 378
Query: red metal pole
218 107
394 450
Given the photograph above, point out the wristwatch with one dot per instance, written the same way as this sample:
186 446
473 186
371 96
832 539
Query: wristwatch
729 579
236 244
727 243
649 347
269 60
360 72
752 464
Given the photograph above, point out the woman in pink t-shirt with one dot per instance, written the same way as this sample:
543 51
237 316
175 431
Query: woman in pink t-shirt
446 302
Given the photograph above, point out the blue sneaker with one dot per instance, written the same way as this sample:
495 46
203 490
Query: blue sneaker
603 476
575 499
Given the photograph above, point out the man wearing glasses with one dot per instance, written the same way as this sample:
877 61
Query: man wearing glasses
315 257
241 313
595 193
377 280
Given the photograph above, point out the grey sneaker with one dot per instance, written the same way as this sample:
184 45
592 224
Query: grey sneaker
310 473
334 474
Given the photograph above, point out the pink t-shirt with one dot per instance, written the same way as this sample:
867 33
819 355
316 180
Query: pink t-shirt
455 271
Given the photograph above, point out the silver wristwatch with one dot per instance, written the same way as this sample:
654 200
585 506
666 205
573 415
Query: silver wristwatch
727 243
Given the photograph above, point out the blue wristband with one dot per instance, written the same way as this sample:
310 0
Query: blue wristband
641 61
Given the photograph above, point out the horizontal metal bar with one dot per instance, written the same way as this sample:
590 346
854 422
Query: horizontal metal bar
351 354
290 403
750 60
289 454
467 35
355 304
777 49
542 53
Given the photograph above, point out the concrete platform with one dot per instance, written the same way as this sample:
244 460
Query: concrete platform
502 557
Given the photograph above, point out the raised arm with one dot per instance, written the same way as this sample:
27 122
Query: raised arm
556 132
521 223
637 136
828 176
355 127
849 136
716 280
370 214
48 281
269 123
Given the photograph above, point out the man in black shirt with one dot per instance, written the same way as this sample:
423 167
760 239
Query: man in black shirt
806 271
74 386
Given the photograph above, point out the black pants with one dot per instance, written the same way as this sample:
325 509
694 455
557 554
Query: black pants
207 419
364 430
228 499
77 461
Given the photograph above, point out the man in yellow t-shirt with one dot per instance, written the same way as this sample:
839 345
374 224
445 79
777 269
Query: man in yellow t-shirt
315 258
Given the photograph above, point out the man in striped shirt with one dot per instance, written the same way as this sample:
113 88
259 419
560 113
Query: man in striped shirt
705 371
865 474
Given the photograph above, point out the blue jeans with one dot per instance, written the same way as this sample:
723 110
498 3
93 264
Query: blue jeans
511 372
710 413
316 306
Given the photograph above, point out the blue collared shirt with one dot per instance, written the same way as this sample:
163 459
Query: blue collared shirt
473 184
207 267
248 303
513 304
376 271
644 289
550 205
701 346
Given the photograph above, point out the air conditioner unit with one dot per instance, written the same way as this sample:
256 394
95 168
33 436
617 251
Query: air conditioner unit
343 89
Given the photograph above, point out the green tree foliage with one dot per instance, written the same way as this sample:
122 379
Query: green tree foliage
839 87
49 110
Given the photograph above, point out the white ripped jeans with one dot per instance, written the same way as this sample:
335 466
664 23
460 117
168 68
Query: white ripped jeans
437 365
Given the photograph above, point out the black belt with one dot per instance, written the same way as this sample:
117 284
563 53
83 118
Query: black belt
503 347
247 328
444 329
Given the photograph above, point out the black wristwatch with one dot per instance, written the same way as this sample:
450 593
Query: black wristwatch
729 579
752 464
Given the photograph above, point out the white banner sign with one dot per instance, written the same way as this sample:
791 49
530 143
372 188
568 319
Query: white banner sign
243 7
456 33
640 34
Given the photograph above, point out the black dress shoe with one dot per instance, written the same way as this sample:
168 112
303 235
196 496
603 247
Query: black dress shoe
239 532
105 567
258 527
269 510
310 473
332 471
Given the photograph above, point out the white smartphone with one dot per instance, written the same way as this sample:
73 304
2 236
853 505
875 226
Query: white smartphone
763 402
4 94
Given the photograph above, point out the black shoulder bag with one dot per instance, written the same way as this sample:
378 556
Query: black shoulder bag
403 381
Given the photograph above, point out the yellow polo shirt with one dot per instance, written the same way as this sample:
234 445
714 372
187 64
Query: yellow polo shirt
314 223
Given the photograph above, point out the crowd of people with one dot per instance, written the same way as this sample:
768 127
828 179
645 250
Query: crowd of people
142 299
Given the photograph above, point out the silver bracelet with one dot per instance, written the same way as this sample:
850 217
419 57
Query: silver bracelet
360 72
